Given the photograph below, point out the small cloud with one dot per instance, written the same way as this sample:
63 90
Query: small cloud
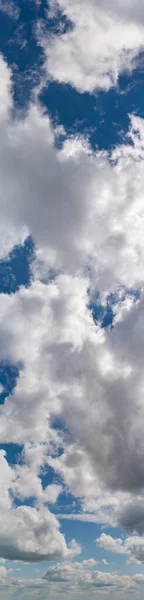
10 9
91 562
104 562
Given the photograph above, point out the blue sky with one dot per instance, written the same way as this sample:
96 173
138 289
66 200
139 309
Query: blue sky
71 299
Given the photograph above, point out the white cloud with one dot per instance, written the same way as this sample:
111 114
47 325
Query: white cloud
10 8
3 572
26 482
72 359
104 40
90 562
71 579
133 547
79 578
85 215
32 535
26 533
112 544
100 516
89 208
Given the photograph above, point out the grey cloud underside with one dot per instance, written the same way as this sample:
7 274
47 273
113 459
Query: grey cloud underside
132 518
11 553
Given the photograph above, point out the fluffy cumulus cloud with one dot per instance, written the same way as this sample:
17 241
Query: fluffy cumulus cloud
26 533
71 579
80 577
32 535
133 547
57 365
112 32
91 212
84 211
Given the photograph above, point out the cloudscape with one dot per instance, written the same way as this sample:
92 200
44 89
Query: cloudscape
71 299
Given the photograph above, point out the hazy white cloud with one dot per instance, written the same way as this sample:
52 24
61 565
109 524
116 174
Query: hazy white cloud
3 572
79 578
112 32
71 579
10 8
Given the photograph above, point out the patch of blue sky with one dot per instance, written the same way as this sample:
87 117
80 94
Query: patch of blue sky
85 533
19 45
53 19
13 453
8 379
59 423
15 270
102 117
103 314
67 503
30 501
48 476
